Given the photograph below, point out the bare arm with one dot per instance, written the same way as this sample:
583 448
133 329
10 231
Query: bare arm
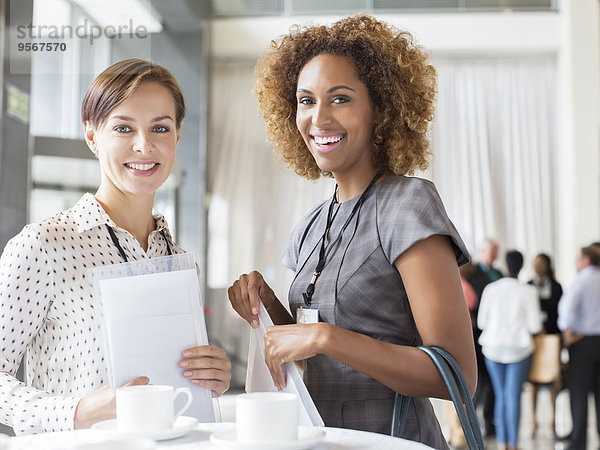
430 276
100 405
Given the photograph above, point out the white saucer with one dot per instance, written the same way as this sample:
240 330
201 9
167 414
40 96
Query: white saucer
307 437
182 425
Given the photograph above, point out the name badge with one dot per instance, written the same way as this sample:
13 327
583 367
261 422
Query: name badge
307 315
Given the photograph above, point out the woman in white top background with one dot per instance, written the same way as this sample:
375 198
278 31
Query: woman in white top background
132 115
509 314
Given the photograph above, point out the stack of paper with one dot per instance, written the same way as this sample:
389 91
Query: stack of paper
149 317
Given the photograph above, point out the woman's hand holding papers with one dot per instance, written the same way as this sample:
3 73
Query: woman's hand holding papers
99 405
208 367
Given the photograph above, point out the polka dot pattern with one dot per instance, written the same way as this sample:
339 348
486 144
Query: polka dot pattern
47 309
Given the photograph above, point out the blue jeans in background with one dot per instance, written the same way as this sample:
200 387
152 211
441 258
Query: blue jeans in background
507 381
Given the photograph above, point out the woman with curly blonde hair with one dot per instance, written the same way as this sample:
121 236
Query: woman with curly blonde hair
376 265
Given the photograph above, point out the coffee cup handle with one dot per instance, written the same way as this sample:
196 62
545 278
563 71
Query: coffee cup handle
188 393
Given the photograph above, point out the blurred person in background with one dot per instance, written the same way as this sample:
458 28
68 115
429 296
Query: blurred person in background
549 294
482 274
509 315
579 321
471 297
596 247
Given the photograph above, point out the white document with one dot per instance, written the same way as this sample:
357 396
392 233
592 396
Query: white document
258 377
148 321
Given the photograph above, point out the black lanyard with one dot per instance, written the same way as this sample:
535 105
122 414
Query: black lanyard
327 249
113 236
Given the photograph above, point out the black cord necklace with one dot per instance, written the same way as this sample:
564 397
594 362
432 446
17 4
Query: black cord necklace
115 240
325 249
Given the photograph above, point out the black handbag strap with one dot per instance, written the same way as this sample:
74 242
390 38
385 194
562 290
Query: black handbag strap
401 407
461 397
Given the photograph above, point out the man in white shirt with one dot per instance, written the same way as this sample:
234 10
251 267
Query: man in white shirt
579 320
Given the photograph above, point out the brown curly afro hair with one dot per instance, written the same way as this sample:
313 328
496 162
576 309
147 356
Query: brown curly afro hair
400 82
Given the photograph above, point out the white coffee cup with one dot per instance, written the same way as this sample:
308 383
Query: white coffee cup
266 417
149 407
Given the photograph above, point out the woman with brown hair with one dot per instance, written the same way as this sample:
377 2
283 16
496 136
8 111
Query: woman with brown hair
132 115
549 292
376 265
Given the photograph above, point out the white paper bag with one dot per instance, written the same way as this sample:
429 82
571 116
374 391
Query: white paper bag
258 377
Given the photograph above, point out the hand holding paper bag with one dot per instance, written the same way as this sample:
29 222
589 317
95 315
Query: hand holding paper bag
290 343
258 377
246 295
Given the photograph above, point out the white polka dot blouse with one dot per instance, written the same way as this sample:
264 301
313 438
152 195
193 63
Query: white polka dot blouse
47 309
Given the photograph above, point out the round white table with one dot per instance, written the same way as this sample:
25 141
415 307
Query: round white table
335 438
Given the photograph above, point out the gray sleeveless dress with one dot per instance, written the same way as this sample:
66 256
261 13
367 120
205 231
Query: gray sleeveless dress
360 290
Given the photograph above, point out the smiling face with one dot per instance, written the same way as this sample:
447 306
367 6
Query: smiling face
136 143
335 116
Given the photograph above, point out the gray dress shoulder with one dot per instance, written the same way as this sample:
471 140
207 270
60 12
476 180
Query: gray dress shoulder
360 289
